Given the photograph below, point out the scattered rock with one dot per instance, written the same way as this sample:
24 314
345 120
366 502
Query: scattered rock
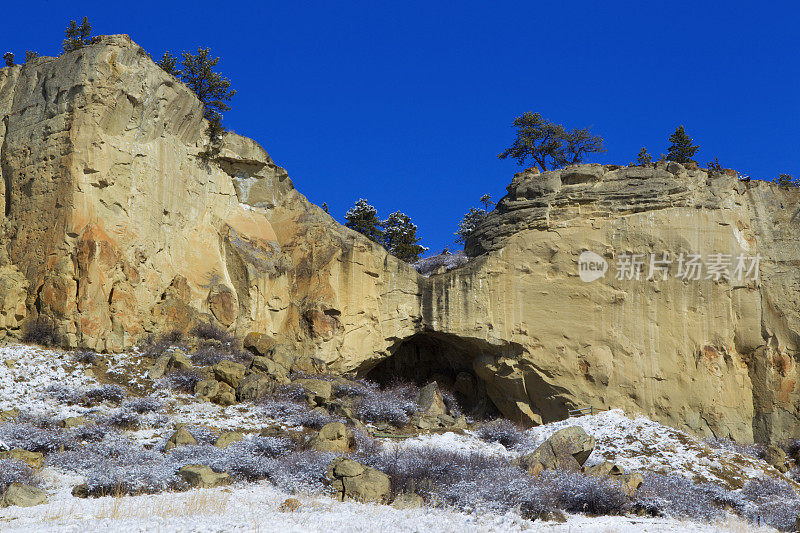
566 449
352 480
775 456
206 389
22 496
318 391
408 500
630 482
203 477
290 505
333 437
259 344
9 415
229 372
175 359
227 438
606 468
270 368
225 396
80 491
180 438
430 400
73 422
32 459
254 386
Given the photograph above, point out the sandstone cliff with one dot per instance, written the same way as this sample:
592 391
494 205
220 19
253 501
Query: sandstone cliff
114 227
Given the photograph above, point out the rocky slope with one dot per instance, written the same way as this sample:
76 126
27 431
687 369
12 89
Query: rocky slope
114 227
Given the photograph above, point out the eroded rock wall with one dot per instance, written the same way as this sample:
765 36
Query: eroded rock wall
114 227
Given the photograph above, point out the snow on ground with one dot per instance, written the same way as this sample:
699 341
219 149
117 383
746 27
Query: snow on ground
255 507
635 443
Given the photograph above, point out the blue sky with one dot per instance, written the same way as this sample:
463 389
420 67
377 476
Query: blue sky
408 103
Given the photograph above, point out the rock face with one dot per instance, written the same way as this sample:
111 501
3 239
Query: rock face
114 227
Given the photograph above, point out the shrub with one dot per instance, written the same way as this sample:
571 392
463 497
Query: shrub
155 345
122 419
210 331
144 405
181 380
503 431
577 493
16 472
295 413
392 405
771 502
300 472
755 451
35 438
85 357
41 330
674 495
105 393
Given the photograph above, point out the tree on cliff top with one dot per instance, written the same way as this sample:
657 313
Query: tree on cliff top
472 219
9 57
400 237
681 150
212 88
363 218
550 145
77 36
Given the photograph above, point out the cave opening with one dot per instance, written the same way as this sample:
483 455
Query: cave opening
444 358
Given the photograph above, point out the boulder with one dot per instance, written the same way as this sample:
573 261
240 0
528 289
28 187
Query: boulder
290 505
203 477
333 437
180 438
430 400
352 480
776 457
259 344
80 491
22 496
270 368
9 414
318 391
408 500
606 468
32 459
226 438
229 372
206 389
73 422
173 359
254 386
566 449
225 396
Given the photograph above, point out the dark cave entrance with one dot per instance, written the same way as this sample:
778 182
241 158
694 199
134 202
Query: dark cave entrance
444 358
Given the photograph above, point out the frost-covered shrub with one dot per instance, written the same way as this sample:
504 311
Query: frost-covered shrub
201 434
249 459
122 419
118 466
106 393
35 438
181 380
295 413
354 389
771 502
144 405
85 357
16 472
90 432
291 393
155 345
210 331
755 451
428 265
300 471
393 405
577 493
503 431
674 495
450 402
66 395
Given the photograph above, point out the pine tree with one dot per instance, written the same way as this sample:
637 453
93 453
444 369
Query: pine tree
550 145
487 202
681 150
211 87
77 36
400 237
324 207
469 223
363 218
72 39
788 180
169 64
644 158
30 55
9 57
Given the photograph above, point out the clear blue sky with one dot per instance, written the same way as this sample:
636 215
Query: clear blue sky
408 103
